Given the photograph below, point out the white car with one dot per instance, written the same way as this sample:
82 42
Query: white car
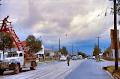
79 56
74 58
63 58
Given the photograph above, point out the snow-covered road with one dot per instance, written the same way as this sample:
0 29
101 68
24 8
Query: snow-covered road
54 70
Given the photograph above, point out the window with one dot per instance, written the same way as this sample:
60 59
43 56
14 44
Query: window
12 54
0 56
20 54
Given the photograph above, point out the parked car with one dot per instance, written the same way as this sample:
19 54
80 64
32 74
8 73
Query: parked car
63 58
92 57
79 56
74 57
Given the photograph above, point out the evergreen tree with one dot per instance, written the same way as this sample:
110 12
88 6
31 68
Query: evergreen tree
96 51
64 51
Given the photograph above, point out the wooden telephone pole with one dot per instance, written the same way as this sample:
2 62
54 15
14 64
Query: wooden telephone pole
115 35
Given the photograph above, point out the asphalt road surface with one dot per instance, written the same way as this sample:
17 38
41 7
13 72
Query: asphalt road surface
54 70
89 69
78 69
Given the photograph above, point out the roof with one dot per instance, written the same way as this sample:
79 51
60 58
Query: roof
24 43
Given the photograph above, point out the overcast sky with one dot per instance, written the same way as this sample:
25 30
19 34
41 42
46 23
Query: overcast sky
76 22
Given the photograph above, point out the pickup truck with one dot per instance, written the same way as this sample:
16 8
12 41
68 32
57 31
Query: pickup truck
16 61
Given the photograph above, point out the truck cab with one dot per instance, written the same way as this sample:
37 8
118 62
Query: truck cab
15 57
16 61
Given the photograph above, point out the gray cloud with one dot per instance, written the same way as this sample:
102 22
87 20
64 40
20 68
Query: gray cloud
54 18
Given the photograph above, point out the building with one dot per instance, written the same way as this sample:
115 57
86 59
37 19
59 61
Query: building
49 52
113 53
41 52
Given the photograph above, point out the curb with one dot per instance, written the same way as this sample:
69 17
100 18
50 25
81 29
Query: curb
45 62
110 75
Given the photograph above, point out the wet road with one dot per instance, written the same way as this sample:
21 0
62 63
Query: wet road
90 70
54 70
78 69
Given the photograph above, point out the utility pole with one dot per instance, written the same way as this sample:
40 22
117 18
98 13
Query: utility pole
72 48
115 35
98 39
52 48
115 32
59 44
2 37
0 5
3 43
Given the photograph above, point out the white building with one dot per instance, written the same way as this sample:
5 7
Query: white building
41 52
113 53
45 52
49 52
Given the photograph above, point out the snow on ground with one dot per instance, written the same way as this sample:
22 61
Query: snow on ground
55 70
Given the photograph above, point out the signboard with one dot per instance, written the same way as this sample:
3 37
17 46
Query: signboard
112 35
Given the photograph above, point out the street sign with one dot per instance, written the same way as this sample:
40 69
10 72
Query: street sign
112 35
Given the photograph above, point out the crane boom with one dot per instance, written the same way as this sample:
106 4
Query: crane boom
7 28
